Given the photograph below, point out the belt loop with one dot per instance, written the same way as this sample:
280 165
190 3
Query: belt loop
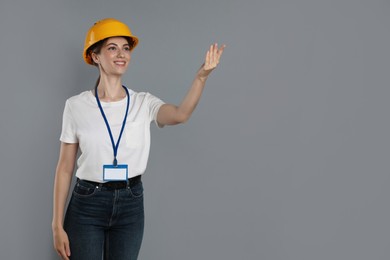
128 184
100 186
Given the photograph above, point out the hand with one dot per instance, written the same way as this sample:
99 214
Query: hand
213 56
61 243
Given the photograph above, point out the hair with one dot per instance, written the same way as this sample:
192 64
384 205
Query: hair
97 47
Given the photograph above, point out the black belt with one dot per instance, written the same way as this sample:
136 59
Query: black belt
116 185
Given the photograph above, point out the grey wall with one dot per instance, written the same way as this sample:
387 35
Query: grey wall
286 157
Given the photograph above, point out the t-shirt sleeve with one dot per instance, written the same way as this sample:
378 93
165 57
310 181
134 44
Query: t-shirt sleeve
68 133
154 104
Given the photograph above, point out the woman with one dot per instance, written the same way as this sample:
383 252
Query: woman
111 126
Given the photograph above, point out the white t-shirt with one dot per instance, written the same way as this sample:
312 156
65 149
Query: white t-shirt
83 124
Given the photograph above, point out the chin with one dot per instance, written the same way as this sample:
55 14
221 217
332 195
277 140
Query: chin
119 72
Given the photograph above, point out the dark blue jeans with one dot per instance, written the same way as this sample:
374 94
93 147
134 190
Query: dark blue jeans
100 221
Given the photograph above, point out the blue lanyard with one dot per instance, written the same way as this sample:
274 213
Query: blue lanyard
114 146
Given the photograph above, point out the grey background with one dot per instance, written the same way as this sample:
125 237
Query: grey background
286 157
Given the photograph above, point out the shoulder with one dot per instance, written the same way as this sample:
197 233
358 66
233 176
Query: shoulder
82 98
141 96
136 94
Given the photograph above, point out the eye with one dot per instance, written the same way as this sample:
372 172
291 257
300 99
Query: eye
127 48
112 48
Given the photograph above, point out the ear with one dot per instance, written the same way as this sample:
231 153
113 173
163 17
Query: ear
95 57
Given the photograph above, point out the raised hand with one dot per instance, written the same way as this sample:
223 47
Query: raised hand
170 114
212 58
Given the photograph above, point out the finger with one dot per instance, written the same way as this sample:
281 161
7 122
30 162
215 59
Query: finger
220 51
215 53
64 257
207 60
62 254
67 249
211 53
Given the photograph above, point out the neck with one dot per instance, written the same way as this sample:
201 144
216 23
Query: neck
110 89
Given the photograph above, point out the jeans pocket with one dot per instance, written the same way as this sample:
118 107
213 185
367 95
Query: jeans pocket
82 189
136 190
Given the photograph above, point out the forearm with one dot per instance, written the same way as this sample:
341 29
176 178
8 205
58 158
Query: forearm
61 189
63 178
171 114
188 105
191 99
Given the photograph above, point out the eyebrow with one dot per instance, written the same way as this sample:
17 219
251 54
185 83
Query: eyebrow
111 43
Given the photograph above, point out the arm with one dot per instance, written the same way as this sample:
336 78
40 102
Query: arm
62 183
170 114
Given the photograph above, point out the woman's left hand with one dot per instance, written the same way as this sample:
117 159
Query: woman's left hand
212 58
170 114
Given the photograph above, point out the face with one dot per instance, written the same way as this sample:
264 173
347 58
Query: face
114 56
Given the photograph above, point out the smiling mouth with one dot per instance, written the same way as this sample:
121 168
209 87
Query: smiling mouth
122 63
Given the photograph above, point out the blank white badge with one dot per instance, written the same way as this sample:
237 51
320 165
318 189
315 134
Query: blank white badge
115 173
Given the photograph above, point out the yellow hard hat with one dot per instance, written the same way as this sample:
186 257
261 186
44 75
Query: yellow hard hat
103 29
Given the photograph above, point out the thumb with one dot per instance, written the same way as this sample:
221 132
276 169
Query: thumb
67 249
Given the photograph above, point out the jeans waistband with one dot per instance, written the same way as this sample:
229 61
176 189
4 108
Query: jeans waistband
116 185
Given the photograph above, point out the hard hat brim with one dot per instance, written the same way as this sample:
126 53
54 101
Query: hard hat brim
104 29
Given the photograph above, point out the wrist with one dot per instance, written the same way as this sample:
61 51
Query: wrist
201 77
56 226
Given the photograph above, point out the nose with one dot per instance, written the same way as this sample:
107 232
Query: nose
120 53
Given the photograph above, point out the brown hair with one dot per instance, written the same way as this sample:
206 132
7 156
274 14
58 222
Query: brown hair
97 47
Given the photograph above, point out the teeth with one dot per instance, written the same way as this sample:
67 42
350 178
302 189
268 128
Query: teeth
120 62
